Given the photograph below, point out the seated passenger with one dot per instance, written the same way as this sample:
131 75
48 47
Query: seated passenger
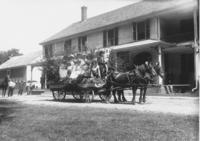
95 70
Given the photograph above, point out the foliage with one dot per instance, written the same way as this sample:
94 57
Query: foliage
118 64
51 69
112 60
51 65
5 55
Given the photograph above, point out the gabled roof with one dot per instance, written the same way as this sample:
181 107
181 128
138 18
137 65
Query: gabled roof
23 60
146 7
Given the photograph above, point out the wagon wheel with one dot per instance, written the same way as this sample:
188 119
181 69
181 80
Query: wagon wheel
105 96
78 96
88 96
59 95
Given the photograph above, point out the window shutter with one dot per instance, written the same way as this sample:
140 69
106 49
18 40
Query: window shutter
134 32
104 39
79 44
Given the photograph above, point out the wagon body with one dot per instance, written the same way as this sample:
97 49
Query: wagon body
80 91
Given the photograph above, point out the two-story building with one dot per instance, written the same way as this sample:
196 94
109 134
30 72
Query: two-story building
165 31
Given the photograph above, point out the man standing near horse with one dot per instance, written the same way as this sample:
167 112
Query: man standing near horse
21 87
102 64
11 86
4 85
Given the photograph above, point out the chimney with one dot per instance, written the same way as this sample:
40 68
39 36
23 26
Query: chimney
83 13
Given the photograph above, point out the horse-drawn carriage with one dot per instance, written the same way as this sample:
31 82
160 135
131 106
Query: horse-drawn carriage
78 77
83 87
83 90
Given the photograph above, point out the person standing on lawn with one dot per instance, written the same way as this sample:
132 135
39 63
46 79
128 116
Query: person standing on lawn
21 87
11 86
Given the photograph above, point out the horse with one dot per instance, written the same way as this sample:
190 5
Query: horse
139 76
142 83
4 86
117 81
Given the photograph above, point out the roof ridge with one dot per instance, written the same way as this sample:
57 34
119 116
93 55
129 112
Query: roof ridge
139 1
131 11
90 18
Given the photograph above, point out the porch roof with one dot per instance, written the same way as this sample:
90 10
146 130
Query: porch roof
23 60
138 44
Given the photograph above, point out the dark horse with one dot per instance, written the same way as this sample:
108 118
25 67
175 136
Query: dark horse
145 77
4 85
117 82
140 77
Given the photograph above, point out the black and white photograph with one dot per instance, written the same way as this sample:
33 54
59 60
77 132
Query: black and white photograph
99 70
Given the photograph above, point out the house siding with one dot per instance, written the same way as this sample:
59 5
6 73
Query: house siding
95 40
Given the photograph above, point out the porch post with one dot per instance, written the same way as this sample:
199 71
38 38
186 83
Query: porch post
28 72
160 80
32 72
196 48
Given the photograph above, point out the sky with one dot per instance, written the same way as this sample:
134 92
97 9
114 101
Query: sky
26 23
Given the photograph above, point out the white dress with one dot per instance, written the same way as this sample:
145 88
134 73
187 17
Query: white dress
62 71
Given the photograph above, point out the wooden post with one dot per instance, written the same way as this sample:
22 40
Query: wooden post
195 13
196 46
160 80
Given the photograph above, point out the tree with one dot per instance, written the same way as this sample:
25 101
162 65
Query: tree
5 55
50 68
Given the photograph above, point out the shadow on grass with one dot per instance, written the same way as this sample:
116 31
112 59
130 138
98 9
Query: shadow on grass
7 108
71 100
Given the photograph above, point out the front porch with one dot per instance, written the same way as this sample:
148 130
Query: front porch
176 60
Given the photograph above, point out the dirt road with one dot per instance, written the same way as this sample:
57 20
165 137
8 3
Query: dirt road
157 104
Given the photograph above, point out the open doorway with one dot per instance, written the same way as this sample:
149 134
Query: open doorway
179 68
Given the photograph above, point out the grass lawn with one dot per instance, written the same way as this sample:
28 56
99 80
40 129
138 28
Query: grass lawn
20 122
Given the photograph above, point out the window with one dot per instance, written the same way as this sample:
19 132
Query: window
141 30
110 37
68 47
82 43
48 51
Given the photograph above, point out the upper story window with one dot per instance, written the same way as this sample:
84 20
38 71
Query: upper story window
48 51
141 30
82 43
176 30
110 37
68 46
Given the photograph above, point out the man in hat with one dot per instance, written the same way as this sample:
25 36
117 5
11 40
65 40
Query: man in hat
102 64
